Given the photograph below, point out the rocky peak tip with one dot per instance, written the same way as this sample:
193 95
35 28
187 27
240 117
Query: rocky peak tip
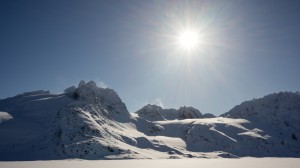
90 84
187 108
153 106
70 89
81 83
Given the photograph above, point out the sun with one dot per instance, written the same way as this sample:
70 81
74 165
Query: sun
188 39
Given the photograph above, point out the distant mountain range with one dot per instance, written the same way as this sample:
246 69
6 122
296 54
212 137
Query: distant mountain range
90 122
156 113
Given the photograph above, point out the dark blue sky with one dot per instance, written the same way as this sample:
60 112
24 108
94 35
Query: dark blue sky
251 48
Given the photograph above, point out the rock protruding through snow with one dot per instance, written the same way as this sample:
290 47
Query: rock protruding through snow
107 98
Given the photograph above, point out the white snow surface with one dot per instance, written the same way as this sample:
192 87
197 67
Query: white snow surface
89 122
5 116
278 114
179 163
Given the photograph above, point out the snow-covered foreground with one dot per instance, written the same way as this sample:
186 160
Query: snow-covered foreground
177 163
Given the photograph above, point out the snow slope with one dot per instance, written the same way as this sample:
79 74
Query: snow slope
239 137
90 122
179 163
277 114
5 116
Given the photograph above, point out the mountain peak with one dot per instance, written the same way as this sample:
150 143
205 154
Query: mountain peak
81 83
151 112
90 84
90 93
152 106
282 103
156 113
189 112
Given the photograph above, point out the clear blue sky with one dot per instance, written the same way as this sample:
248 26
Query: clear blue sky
251 48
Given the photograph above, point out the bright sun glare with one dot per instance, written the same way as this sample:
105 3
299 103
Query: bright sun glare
188 39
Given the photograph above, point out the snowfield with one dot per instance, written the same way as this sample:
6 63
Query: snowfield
5 116
169 163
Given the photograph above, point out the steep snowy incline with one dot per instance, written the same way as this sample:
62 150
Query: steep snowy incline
37 125
237 137
31 116
278 114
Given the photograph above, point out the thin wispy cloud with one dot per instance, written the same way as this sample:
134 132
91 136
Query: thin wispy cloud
102 84
158 102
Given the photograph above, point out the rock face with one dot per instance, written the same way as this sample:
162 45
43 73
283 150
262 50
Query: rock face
90 122
156 113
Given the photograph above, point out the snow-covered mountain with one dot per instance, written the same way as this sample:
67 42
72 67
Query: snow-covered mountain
90 122
277 114
84 122
157 113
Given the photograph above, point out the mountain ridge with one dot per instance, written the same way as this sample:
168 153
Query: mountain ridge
157 113
90 122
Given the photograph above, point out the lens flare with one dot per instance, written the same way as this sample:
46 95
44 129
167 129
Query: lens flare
188 39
